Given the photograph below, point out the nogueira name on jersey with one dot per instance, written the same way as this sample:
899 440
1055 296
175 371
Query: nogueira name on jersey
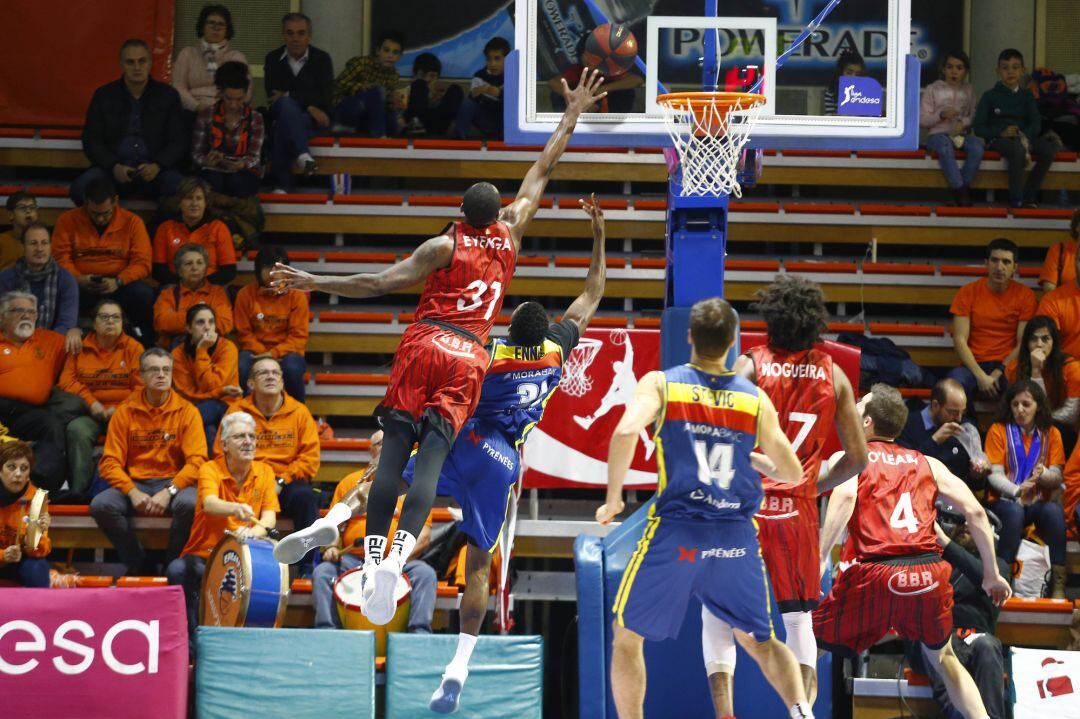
787 369
893 459
487 243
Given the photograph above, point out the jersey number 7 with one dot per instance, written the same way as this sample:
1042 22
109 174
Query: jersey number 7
714 463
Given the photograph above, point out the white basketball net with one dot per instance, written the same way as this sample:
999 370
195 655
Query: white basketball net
709 141
574 381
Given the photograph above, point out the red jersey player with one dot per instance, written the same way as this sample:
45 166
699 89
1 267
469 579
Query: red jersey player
811 396
900 582
439 365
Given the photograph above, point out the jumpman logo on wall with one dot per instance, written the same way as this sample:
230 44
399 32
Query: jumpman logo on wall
620 393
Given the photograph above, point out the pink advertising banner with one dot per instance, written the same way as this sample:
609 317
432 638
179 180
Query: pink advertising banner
93 652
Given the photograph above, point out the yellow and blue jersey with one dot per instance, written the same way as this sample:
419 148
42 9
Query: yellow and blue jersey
707 429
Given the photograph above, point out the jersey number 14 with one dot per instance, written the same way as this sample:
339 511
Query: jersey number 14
714 463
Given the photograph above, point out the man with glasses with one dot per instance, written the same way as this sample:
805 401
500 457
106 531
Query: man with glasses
107 249
22 212
153 450
30 361
57 293
288 442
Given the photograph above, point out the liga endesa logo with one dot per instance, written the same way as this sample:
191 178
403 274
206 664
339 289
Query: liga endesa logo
860 96
71 637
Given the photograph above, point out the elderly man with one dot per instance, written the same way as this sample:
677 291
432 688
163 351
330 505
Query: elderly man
236 494
937 431
55 288
107 249
134 132
30 362
288 440
153 450
22 212
348 553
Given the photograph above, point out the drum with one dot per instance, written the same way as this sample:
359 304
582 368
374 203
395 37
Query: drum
347 596
243 586
33 529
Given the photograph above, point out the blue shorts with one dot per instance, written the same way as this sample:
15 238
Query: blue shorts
717 562
480 473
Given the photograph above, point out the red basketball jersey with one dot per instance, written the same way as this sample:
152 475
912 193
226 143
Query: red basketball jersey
469 292
894 510
800 385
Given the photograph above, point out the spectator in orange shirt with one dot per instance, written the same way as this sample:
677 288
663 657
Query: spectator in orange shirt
1063 306
22 210
348 553
1059 267
30 361
989 316
288 442
18 561
1025 454
1042 361
153 450
194 226
270 324
107 249
172 305
204 369
236 494
1071 499
103 374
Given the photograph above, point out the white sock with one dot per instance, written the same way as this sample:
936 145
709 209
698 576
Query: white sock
338 514
800 637
403 545
717 644
460 663
374 547
802 710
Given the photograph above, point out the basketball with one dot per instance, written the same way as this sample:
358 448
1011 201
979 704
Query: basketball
612 48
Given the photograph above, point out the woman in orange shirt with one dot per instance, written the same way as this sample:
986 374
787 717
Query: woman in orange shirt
1059 267
194 225
269 324
204 369
1026 458
1041 360
173 302
19 562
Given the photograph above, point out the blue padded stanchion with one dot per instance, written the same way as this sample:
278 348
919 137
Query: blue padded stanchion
592 625
250 672
506 676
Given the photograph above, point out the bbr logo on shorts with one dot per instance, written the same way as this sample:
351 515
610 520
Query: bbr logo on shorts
907 583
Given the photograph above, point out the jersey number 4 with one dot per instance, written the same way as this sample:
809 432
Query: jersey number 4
714 463
903 516
476 290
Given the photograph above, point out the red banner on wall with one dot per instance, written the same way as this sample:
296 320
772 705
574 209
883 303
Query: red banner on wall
55 54
118 653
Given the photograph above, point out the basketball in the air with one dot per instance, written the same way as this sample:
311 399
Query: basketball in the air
612 48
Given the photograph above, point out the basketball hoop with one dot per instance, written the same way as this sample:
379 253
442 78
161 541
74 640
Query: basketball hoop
709 131
574 380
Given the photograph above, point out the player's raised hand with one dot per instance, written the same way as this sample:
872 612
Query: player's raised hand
592 209
586 94
607 512
997 588
284 278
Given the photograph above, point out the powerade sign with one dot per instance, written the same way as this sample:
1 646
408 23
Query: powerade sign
860 96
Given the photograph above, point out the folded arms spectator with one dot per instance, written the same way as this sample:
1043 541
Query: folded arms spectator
196 226
227 140
57 292
174 302
205 369
19 561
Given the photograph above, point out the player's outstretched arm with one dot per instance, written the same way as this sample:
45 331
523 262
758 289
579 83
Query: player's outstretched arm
582 309
841 505
959 496
521 211
434 254
849 429
775 444
643 410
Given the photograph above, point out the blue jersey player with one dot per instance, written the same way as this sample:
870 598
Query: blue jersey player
700 540
483 466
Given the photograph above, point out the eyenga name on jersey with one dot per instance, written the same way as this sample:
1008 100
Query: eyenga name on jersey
487 243
892 459
787 369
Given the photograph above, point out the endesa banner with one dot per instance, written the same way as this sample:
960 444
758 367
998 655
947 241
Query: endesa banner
117 653
568 448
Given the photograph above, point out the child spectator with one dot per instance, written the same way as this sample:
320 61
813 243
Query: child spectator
228 136
174 302
193 73
272 324
204 369
483 106
849 64
1059 267
945 112
432 105
22 210
19 562
194 226
364 91
1009 121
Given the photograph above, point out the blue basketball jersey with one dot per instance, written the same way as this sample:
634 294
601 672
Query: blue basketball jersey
707 429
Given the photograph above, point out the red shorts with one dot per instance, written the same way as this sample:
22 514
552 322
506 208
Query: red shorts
788 532
910 596
436 370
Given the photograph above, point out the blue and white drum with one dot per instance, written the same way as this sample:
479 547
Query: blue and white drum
244 586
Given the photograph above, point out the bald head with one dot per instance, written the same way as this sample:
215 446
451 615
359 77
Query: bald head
948 401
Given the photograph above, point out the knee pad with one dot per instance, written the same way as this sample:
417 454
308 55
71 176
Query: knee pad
800 637
717 644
